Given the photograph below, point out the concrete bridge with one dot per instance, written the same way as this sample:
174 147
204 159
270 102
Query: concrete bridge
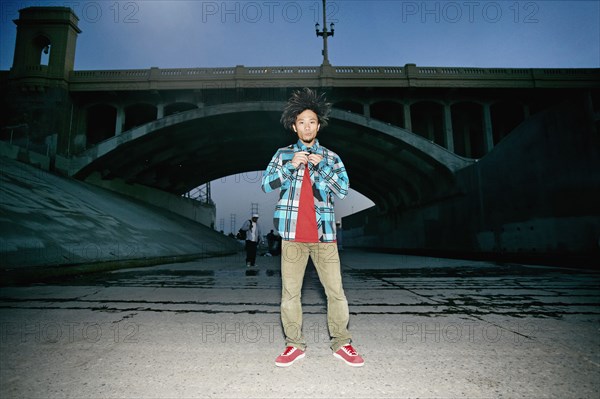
421 142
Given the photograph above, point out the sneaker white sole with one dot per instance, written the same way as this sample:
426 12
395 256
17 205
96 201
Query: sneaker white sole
288 364
349 363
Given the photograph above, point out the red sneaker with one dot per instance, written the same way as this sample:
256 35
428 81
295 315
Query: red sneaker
349 355
289 356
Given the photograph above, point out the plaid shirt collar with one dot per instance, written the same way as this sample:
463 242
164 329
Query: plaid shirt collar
300 146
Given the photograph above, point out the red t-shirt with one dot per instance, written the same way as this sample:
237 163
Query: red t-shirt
306 227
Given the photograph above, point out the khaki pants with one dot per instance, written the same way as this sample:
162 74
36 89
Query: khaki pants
294 258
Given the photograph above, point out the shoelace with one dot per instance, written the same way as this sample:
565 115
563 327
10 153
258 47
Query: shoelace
288 350
349 350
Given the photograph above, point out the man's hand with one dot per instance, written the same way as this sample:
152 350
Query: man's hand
300 157
315 159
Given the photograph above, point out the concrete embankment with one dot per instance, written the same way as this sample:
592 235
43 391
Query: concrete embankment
52 225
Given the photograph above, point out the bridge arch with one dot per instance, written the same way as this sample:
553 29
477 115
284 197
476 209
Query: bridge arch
393 167
177 107
350 106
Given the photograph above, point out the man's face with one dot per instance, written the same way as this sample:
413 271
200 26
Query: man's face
307 126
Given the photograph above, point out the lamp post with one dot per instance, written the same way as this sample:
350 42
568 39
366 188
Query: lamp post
325 33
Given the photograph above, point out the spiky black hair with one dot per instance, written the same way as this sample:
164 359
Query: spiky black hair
300 101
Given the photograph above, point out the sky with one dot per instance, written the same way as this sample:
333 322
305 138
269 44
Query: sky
196 33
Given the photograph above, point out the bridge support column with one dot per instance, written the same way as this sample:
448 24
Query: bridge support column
160 111
119 120
448 134
407 117
488 137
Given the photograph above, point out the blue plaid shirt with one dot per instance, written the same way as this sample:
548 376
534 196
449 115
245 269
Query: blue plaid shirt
329 177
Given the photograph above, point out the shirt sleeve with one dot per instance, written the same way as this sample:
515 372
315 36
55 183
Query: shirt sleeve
279 174
333 175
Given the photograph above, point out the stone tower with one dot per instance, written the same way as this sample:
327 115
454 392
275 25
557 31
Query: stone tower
37 98
45 46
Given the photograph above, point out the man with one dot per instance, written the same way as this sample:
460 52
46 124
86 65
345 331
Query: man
308 175
252 239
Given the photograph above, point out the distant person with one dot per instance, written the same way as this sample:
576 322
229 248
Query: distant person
253 235
308 175
277 245
271 242
339 234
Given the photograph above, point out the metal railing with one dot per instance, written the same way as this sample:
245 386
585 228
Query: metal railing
342 71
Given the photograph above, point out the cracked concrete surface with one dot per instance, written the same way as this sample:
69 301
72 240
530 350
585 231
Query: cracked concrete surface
427 327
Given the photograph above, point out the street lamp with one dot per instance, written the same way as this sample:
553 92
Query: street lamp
325 31
325 34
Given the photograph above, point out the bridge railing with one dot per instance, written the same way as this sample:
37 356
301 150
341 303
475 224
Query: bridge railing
375 76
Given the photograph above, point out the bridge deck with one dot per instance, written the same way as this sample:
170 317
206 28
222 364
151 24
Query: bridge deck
409 75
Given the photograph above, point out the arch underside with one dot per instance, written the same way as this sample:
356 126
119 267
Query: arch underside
392 167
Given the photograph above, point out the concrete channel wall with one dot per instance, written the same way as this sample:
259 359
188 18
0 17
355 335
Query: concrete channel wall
49 220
